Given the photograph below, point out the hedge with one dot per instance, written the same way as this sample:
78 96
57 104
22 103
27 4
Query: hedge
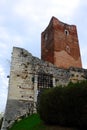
64 105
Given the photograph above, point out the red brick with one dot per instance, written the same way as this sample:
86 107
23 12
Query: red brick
60 45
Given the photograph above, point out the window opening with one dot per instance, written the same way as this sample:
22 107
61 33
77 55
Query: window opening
66 32
45 80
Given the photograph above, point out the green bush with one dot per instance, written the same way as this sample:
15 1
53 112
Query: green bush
65 105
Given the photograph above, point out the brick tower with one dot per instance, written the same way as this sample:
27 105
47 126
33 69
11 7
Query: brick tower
60 45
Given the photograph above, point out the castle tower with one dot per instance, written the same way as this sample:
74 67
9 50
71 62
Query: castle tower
60 45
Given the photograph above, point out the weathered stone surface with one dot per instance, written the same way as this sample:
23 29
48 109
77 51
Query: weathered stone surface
57 38
15 110
27 75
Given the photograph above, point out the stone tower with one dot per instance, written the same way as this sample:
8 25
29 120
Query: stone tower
60 45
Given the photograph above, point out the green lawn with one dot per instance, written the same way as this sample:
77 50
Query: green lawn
34 122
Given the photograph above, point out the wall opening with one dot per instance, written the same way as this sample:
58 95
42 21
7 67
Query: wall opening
66 32
45 80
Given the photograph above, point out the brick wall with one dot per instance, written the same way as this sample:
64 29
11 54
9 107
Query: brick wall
59 37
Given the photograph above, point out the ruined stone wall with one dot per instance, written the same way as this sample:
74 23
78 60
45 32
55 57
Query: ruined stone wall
23 83
20 88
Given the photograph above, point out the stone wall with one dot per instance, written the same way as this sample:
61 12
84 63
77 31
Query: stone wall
26 79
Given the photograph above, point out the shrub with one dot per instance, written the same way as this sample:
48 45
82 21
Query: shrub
65 105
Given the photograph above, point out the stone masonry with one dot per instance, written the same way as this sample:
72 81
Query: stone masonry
28 75
60 45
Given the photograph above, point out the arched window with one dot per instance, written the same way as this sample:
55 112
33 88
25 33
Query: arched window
66 32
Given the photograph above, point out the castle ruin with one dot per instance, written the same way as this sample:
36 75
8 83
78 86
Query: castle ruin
29 74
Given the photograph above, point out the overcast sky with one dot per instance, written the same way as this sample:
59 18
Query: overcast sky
21 24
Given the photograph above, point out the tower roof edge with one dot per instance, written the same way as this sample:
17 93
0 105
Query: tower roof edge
55 20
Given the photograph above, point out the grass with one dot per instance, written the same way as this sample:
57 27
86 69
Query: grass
34 122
